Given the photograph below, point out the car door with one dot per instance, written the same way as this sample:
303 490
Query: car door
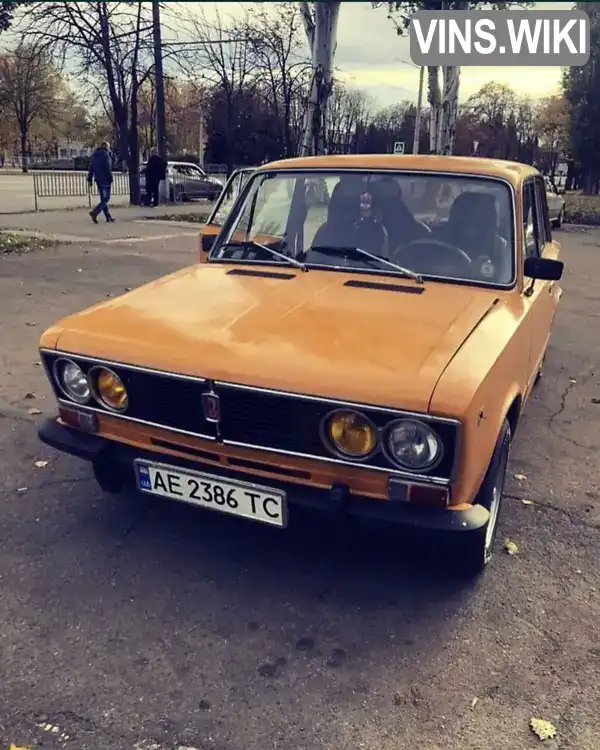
198 185
177 181
539 297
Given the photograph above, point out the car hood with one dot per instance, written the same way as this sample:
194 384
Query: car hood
294 331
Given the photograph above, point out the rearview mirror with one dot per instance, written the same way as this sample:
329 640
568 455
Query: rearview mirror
546 269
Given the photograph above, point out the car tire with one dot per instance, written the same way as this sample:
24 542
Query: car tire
472 553
557 223
540 372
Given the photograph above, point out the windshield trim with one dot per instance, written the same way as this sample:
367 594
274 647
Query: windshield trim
221 199
380 170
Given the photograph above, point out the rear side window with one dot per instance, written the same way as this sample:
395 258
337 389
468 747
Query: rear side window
545 234
530 226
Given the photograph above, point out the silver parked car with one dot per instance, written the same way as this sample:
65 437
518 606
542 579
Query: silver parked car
187 181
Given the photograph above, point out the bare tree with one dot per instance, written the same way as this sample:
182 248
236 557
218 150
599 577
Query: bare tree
221 50
320 23
273 32
31 86
443 99
110 43
349 111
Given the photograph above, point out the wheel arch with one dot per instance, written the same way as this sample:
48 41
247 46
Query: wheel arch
513 413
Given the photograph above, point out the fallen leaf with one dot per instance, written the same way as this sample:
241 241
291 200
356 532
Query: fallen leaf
41 464
572 380
33 411
520 477
474 702
527 502
29 395
510 547
19 747
543 729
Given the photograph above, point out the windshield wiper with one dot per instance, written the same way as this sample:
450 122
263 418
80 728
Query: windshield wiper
260 246
334 250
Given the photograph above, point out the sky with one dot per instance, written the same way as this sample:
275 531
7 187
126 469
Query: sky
371 56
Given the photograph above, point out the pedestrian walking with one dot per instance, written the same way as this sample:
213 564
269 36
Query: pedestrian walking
156 170
101 172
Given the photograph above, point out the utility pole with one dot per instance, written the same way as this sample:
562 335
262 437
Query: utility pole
159 85
418 112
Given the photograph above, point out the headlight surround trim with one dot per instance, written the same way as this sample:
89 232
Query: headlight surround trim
422 425
335 450
57 373
93 375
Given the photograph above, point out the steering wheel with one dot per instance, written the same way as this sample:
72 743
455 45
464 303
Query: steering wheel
415 251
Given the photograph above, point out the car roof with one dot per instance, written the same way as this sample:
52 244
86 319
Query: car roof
512 171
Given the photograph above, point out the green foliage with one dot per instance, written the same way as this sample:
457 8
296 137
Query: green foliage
581 87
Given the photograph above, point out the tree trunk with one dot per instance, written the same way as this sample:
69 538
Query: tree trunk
133 147
24 159
323 48
449 109
434 98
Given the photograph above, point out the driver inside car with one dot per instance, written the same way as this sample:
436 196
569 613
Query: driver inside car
473 227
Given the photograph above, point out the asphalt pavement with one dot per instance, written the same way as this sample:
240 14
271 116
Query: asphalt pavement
126 623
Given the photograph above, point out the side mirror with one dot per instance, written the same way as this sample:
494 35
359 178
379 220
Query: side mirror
546 269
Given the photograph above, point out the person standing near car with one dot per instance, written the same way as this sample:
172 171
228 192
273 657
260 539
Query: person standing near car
101 172
156 170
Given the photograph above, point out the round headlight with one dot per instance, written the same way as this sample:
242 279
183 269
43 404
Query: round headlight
72 380
350 433
109 389
413 445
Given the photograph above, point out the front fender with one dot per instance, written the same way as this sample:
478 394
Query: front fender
479 387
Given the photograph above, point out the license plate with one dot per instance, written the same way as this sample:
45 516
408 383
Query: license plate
208 491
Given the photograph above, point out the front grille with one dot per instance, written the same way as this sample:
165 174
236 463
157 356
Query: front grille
251 417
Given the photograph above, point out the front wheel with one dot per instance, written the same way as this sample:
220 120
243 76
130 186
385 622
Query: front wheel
473 552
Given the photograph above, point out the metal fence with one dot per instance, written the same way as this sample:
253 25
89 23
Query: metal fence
54 184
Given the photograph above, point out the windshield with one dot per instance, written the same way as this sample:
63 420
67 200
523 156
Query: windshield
450 227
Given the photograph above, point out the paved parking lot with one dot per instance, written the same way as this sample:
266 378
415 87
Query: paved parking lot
131 624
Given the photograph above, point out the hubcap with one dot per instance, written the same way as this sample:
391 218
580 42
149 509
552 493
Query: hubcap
495 506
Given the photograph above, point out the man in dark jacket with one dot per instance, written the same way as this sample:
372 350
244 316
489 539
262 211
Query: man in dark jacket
156 170
101 171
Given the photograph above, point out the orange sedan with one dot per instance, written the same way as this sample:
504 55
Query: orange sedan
360 335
